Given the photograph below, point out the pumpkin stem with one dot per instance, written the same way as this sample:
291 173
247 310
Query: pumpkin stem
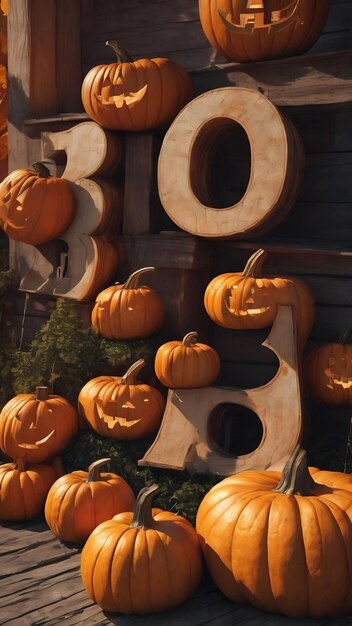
190 339
254 264
133 281
94 470
121 54
20 463
41 169
130 377
296 479
346 335
142 516
42 393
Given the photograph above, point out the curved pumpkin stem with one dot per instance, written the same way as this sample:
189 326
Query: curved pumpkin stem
130 377
133 281
190 339
20 463
254 264
142 516
94 470
42 393
121 54
296 479
41 169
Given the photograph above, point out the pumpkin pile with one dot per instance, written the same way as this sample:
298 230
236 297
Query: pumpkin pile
34 429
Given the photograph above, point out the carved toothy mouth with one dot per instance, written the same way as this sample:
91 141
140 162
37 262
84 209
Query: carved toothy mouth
36 444
254 19
118 99
110 414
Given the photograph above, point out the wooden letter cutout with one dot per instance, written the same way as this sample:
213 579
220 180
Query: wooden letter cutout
277 159
183 439
91 260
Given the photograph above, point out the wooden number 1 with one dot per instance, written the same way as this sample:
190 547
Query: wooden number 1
84 259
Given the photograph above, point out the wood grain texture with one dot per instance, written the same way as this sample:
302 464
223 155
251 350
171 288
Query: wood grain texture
48 591
184 439
187 156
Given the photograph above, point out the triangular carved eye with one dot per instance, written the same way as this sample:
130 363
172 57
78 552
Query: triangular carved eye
33 425
128 405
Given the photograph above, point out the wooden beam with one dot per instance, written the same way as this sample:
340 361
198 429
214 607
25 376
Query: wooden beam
297 81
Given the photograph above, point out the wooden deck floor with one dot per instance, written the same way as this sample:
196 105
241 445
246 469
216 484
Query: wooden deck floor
40 584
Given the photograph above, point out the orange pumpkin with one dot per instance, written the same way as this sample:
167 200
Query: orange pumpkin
284 543
255 30
246 300
121 407
78 502
23 489
38 425
328 371
135 95
128 311
144 562
34 206
186 364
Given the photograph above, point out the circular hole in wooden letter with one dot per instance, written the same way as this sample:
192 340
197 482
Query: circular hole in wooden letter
220 163
234 429
276 170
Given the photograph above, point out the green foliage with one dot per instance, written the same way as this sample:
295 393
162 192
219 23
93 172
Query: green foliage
64 356
181 492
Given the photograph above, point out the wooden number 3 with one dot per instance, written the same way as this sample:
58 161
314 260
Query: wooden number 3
84 259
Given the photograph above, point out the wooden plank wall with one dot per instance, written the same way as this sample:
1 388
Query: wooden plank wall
171 28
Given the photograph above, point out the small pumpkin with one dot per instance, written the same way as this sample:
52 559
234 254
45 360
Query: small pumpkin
128 311
23 489
37 424
34 206
135 95
142 562
256 30
121 407
247 300
328 370
79 501
186 364
280 542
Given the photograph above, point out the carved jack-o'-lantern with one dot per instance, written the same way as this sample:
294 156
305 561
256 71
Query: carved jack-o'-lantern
135 95
36 425
121 407
255 30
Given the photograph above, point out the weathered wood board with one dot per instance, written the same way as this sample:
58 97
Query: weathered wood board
41 585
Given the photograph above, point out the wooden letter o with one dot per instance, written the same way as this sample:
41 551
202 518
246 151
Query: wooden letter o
277 160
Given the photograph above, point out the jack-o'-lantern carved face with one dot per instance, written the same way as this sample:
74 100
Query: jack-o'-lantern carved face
121 407
329 372
255 30
37 425
259 14
247 300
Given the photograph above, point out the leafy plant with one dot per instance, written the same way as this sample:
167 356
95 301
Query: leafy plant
7 333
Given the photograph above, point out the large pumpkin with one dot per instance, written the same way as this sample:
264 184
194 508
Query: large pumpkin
255 30
38 425
135 95
284 543
247 300
144 562
121 407
23 489
328 370
128 311
78 502
34 206
186 364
